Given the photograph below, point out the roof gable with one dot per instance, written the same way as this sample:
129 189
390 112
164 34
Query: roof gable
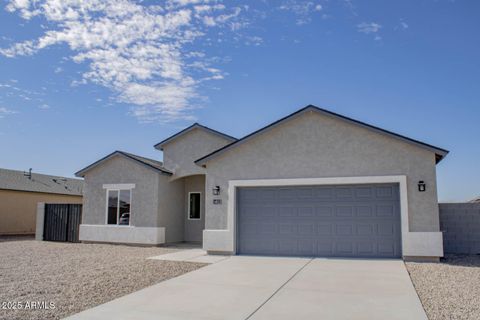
149 163
439 153
185 131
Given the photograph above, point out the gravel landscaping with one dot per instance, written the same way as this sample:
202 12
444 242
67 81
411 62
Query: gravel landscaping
449 290
75 277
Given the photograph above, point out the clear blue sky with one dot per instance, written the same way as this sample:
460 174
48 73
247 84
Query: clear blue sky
78 82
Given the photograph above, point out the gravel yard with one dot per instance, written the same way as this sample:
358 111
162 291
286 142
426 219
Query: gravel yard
449 290
74 276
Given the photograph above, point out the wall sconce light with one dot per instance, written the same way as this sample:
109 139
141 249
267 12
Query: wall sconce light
422 186
216 190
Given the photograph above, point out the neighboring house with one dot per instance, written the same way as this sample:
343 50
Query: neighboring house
20 192
314 183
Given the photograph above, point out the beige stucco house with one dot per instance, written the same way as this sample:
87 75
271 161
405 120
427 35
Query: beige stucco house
314 183
20 192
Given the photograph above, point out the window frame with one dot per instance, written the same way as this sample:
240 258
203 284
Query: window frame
118 189
200 206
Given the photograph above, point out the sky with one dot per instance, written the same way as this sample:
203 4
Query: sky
80 79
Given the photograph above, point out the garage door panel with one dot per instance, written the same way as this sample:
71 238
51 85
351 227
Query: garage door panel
287 228
343 230
344 193
324 193
305 193
306 212
386 248
267 228
287 194
325 247
349 221
344 211
306 229
307 247
249 229
325 229
324 211
387 192
385 210
365 229
344 248
366 248
386 229
287 212
363 192
364 211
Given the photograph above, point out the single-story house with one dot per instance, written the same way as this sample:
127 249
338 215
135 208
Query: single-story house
314 183
21 191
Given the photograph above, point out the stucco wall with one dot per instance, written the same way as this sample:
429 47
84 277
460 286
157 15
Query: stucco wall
144 207
171 208
194 228
18 209
180 154
316 146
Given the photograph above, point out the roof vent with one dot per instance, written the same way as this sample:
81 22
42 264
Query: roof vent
28 174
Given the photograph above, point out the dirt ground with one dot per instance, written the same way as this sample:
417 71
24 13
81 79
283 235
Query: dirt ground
51 280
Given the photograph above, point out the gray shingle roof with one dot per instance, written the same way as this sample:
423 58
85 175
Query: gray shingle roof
17 180
186 130
153 163
150 163
439 153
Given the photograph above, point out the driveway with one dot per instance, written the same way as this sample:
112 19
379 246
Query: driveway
243 287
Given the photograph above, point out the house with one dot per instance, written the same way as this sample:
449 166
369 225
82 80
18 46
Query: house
314 183
20 192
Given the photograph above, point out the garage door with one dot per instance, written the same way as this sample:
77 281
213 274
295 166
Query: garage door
324 221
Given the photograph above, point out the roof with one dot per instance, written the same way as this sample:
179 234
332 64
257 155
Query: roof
439 152
149 163
161 144
20 181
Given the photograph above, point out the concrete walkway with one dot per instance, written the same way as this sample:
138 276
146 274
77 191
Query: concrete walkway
244 287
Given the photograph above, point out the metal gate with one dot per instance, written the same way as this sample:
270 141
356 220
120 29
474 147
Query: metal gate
62 222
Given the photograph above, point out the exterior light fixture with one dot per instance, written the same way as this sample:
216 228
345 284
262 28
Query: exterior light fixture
422 186
216 190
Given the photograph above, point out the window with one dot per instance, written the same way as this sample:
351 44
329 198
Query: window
118 208
194 205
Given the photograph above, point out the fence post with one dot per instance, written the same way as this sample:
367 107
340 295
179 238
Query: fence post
40 221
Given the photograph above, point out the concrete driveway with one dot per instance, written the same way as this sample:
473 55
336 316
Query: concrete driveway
243 287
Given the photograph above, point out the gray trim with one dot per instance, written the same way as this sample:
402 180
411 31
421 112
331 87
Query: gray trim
440 153
149 163
161 144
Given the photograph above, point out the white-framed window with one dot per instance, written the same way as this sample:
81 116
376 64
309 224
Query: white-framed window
194 204
118 208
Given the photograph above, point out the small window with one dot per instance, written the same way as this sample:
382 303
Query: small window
194 205
118 209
